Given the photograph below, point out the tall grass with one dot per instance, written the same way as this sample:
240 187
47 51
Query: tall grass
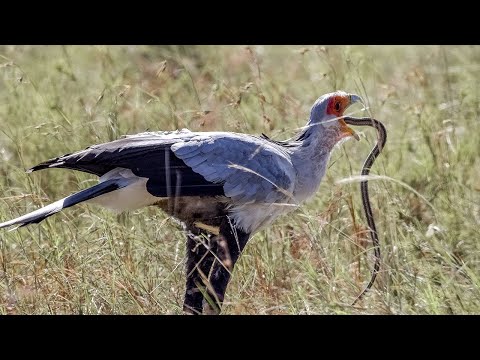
55 100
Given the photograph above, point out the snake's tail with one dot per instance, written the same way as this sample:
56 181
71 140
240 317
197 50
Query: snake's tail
375 271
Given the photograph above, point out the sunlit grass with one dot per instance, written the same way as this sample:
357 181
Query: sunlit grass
426 192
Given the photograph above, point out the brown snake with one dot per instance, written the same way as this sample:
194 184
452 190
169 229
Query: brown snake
382 139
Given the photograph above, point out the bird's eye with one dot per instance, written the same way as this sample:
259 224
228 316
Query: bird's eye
337 106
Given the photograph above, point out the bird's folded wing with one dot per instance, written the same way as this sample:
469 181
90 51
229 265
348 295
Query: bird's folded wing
182 163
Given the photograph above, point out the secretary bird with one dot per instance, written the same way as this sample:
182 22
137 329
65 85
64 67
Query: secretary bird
222 186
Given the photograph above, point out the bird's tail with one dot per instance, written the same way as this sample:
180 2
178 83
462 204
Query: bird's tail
87 194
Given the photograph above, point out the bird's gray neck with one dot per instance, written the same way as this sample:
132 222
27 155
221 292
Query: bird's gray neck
310 158
315 135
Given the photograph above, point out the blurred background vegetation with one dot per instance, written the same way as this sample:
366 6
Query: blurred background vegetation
59 99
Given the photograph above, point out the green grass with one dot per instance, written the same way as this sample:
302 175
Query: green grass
55 100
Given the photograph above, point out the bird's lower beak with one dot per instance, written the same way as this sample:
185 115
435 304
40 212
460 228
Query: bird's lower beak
348 131
344 128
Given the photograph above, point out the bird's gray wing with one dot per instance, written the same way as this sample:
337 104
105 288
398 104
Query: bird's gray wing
251 169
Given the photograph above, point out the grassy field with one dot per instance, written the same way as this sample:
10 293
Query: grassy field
87 260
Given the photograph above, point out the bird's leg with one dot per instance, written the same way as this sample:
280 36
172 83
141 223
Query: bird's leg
229 246
199 261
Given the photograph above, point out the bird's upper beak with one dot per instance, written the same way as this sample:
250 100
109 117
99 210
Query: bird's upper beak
348 131
355 98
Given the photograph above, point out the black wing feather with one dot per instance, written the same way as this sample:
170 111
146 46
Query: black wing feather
147 157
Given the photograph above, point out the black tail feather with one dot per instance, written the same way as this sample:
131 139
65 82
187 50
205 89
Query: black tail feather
84 195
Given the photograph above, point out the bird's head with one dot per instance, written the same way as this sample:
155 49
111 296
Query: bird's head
328 112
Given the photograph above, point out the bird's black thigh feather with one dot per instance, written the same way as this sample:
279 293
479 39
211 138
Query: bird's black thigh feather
230 244
210 262
199 260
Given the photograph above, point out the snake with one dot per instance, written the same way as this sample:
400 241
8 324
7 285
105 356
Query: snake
372 156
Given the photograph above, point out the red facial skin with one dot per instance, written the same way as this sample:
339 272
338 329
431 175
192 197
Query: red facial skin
337 105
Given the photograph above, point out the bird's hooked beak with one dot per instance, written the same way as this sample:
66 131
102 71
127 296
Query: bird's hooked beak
348 131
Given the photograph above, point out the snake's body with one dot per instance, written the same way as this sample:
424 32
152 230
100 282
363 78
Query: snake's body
382 139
